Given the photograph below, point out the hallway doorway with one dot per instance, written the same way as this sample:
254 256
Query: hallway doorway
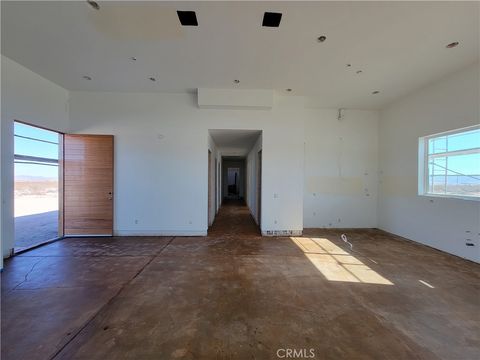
236 154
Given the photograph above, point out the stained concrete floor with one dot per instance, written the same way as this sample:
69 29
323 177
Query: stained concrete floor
236 295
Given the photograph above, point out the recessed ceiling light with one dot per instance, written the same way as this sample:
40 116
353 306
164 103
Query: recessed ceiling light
93 4
271 19
452 45
86 77
349 65
236 81
187 18
375 92
321 38
152 79
288 90
359 71
133 58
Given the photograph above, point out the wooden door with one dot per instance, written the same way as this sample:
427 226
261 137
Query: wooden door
88 184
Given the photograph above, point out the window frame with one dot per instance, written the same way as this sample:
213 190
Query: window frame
423 157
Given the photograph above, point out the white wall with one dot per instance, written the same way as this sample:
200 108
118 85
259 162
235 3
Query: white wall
29 97
163 182
450 103
341 169
321 169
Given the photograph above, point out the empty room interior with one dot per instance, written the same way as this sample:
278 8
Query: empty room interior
240 180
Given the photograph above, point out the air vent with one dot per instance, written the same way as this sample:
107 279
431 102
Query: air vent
187 18
271 19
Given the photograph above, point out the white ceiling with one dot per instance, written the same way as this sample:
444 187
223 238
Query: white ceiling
234 142
399 46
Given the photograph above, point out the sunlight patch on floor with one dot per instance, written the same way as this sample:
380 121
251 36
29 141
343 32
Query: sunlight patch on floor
337 264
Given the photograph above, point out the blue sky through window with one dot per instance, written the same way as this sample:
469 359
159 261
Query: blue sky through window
24 145
464 164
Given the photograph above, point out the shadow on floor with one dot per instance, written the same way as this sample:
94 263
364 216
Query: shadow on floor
32 230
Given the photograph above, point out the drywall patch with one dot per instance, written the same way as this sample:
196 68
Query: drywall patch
398 185
335 185
142 21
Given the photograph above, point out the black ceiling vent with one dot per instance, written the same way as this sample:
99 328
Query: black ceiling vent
271 19
187 18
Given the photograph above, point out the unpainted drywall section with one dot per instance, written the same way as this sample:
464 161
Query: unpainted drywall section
28 97
442 223
160 158
341 169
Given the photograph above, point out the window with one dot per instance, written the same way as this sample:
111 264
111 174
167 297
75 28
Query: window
36 185
449 164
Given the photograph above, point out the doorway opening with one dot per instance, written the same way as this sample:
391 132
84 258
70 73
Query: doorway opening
37 185
236 154
233 177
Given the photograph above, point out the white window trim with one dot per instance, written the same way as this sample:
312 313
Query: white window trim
423 163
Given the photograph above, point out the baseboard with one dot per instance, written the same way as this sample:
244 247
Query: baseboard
160 232
282 233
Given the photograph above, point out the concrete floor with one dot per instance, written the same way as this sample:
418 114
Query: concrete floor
236 295
31 230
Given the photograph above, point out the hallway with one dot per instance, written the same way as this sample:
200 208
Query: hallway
234 220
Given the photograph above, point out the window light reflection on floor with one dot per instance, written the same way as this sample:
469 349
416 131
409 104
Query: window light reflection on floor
337 264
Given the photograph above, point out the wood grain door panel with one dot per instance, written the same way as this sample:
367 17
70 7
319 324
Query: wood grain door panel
88 184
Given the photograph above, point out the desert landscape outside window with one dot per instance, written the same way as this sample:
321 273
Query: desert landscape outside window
452 163
36 185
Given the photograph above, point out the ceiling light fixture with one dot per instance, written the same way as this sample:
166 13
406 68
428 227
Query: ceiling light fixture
93 4
152 79
452 45
375 92
321 38
133 58
359 71
236 81
288 90
349 65
86 77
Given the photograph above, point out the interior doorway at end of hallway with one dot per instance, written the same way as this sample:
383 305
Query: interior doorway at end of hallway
233 177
